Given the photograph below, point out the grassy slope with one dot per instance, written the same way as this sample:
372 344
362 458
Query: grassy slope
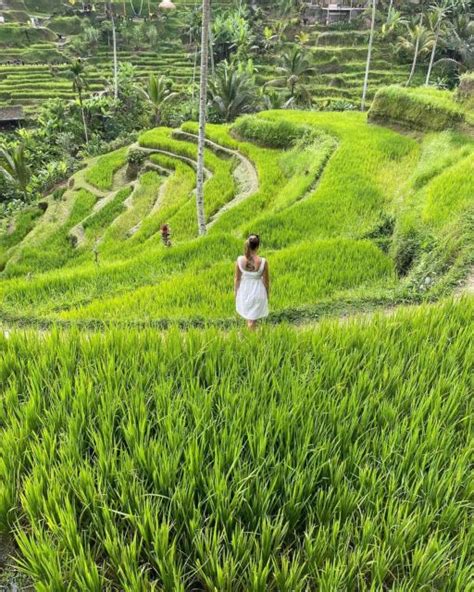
321 257
335 458
338 57
327 236
365 266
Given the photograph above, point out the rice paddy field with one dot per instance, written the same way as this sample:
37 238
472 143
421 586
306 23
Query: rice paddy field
34 62
340 231
148 442
335 458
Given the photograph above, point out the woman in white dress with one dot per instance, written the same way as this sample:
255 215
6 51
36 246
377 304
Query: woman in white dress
252 283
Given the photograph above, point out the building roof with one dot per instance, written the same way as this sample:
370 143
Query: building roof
13 113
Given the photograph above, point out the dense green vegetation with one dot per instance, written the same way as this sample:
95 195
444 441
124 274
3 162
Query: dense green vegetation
422 109
148 443
340 231
335 458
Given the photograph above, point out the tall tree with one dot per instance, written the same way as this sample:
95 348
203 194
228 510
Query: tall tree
158 94
439 12
110 15
231 91
369 56
295 67
418 41
14 167
206 19
79 85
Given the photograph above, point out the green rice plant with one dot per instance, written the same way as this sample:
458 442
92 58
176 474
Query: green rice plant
219 189
311 271
178 189
132 460
353 192
16 228
52 249
270 134
101 174
450 192
417 108
144 197
98 222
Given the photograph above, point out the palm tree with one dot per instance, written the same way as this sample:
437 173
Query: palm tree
418 41
158 94
110 14
232 92
206 19
393 23
14 167
295 68
274 100
460 40
436 20
369 55
79 85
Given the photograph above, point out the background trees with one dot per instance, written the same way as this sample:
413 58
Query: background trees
232 92
79 85
14 167
157 94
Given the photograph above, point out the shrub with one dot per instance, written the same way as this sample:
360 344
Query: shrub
271 134
135 160
340 105
66 25
422 109
465 90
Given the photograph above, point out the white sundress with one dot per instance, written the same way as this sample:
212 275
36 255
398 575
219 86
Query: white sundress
252 299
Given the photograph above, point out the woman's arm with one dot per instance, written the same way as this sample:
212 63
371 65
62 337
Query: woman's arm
237 278
266 278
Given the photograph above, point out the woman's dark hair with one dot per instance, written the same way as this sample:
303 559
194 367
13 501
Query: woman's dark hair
251 245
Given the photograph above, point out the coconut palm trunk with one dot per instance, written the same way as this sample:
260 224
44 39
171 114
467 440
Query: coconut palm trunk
84 122
415 59
109 10
206 19
369 56
114 45
432 57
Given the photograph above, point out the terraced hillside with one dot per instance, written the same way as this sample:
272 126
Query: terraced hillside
331 456
34 61
339 60
342 231
30 84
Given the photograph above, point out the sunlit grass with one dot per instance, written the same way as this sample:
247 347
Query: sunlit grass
335 458
101 174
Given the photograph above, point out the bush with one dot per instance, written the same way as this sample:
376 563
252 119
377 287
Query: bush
421 109
340 105
408 239
66 25
135 160
465 90
271 134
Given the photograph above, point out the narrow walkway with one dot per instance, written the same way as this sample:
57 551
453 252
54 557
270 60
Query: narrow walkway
245 173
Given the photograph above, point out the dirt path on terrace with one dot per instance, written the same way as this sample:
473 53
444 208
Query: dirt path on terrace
119 181
245 173
189 161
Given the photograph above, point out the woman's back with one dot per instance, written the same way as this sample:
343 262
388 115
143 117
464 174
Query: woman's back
253 267
251 283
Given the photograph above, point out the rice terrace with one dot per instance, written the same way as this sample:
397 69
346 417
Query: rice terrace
169 167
